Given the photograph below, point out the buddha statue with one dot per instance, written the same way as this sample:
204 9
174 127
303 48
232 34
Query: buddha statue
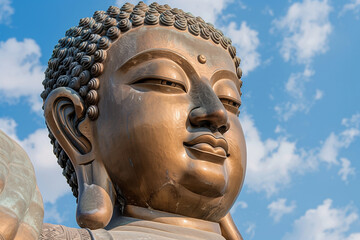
142 106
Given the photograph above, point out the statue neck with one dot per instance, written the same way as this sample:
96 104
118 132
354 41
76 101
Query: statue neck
172 219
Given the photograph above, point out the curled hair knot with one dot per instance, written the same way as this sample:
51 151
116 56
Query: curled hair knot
124 24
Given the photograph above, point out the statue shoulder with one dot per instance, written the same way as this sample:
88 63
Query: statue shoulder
21 206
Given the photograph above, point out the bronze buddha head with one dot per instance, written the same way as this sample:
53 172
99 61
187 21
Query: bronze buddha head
142 106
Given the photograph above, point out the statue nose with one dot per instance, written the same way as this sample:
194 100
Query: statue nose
212 116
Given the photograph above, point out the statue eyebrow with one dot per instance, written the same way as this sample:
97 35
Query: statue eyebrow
225 74
160 53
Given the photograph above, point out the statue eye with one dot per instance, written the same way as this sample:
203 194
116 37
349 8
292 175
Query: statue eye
167 86
173 84
231 105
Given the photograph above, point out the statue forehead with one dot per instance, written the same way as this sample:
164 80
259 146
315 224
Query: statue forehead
160 39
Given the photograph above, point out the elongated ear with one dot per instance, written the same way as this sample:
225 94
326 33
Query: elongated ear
66 118
228 228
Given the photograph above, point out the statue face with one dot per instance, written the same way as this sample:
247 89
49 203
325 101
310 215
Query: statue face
168 131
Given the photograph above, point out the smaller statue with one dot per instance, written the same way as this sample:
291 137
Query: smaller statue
142 106
21 206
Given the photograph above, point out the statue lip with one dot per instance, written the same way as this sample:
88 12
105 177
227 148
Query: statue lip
208 147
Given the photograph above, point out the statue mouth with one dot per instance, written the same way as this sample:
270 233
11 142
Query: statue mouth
208 147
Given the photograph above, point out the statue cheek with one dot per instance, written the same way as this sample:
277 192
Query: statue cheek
236 163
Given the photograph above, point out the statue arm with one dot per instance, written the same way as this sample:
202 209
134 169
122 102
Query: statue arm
21 206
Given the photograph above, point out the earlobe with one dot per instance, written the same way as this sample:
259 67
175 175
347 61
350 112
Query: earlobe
95 202
65 116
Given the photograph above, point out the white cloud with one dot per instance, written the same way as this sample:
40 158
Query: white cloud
335 142
37 145
277 160
241 4
22 72
53 215
295 85
268 11
267 61
246 41
238 204
299 101
346 170
353 122
209 10
279 208
8 126
273 159
279 129
354 6
5 11
306 29
319 94
250 230
39 149
330 149
354 236
325 223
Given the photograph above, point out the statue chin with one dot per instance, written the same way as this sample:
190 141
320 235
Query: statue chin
204 190
209 181
179 200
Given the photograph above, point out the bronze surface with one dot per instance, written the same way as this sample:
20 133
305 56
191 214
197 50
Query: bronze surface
21 206
164 217
166 134
142 105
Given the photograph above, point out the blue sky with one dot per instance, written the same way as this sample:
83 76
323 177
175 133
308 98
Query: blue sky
300 112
